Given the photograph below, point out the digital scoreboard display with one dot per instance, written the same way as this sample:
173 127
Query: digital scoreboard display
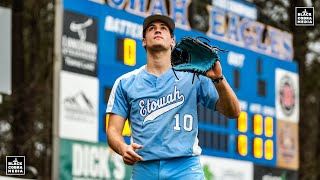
258 66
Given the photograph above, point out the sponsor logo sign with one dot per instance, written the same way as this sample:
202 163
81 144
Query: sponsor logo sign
226 169
287 145
84 161
79 43
271 173
78 107
287 95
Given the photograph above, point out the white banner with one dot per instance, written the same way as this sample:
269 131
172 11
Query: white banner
78 107
5 50
226 169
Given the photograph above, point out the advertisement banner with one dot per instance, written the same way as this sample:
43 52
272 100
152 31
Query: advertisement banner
90 161
270 173
226 169
287 145
79 43
78 107
287 95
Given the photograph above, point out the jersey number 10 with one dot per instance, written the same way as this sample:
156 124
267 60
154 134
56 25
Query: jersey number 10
187 122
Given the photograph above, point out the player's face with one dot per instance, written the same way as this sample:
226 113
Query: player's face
158 36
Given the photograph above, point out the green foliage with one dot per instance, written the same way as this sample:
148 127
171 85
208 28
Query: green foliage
207 173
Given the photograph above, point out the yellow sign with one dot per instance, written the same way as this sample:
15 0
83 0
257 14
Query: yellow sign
268 148
126 129
257 147
257 124
129 52
243 122
243 145
268 126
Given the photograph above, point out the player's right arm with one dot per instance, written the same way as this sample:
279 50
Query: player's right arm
117 143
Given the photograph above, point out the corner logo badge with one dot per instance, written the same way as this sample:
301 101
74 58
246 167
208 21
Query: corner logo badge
15 165
304 16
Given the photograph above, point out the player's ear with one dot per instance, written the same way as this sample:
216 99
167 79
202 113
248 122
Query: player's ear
144 42
172 43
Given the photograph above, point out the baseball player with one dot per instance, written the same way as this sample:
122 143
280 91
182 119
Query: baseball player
162 110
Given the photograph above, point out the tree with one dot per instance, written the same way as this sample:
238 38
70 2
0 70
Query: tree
28 111
281 14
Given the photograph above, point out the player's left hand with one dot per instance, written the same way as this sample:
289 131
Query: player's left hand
215 71
129 155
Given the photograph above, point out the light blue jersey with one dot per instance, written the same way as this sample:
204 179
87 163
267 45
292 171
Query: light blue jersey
162 111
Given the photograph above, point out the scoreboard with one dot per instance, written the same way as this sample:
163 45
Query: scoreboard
103 40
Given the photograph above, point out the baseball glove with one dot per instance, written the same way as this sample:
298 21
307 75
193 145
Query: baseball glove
194 55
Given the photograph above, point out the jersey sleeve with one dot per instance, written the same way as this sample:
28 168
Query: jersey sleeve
207 93
118 103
